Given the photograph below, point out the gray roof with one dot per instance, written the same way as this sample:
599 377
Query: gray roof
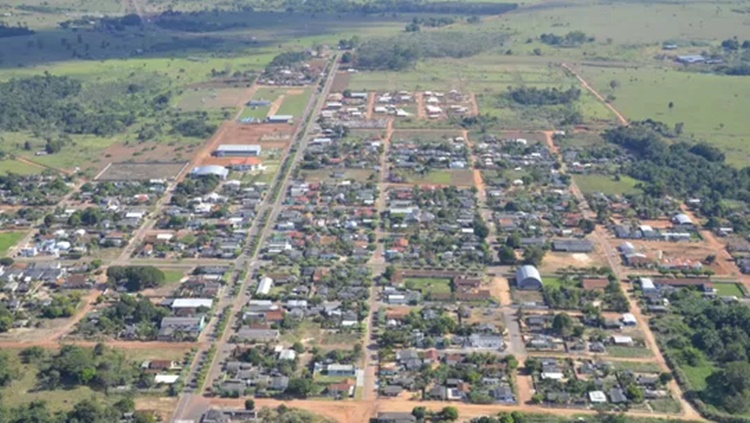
210 170
527 271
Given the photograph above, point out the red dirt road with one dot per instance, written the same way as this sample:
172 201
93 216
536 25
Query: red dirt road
596 94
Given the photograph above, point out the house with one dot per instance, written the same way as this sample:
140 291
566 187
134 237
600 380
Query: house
343 389
617 396
528 278
597 397
502 394
493 342
203 171
341 370
246 334
189 327
395 417
647 285
391 391
622 340
594 284
214 416
628 319
572 245
165 379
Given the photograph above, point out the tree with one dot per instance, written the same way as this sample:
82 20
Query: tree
533 256
562 324
419 412
299 387
634 393
670 105
614 84
249 404
449 413
507 255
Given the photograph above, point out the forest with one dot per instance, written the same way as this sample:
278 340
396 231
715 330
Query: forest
135 278
403 52
13 31
532 96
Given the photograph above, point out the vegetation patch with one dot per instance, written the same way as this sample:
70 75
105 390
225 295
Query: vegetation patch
608 185
8 240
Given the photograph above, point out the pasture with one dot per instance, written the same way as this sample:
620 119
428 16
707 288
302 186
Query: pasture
713 108
9 240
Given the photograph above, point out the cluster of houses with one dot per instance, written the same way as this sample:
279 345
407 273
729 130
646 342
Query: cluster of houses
33 190
421 156
393 103
292 74
334 298
518 153
433 225
588 383
332 150
345 107
212 225
682 229
405 374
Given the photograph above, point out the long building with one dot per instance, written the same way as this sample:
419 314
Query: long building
237 150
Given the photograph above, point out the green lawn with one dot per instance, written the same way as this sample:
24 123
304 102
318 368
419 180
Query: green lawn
636 366
728 289
605 184
172 276
8 240
429 285
551 281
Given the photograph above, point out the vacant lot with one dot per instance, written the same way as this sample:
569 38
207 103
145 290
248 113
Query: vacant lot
197 99
141 171
295 101
329 175
18 168
8 240
606 184
429 285
728 289
463 178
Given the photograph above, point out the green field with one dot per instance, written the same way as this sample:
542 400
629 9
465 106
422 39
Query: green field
294 104
697 375
172 276
712 107
256 112
589 184
551 281
637 367
728 289
429 285
665 405
14 166
8 240
442 177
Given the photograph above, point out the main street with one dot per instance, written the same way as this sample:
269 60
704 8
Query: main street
248 262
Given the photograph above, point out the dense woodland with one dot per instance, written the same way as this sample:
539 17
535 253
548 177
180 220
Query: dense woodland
571 39
13 31
135 278
532 96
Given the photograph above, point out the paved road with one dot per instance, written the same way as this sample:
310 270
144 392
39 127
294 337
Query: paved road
248 260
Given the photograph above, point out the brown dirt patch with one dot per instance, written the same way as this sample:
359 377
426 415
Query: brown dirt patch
340 82
162 407
144 152
274 108
500 289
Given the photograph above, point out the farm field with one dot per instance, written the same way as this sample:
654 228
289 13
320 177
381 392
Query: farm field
605 184
197 99
19 168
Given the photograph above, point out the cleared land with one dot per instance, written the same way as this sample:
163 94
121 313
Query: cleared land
429 285
141 171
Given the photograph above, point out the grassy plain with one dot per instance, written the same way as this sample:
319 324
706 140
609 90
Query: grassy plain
713 108
14 166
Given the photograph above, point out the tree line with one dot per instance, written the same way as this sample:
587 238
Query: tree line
681 169
533 96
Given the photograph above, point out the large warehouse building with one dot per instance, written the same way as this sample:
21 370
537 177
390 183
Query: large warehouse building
527 277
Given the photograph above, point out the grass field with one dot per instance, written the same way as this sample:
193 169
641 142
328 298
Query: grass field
728 289
665 405
590 184
14 166
257 112
442 177
551 281
326 175
8 240
294 103
712 107
634 366
429 285
697 375
172 276
626 352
